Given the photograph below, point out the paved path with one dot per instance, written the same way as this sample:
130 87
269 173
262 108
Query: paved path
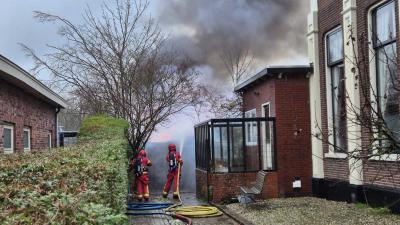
188 199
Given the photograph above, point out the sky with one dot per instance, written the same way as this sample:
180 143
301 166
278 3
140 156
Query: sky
274 31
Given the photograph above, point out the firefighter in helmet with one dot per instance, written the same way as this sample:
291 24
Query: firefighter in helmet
175 162
141 164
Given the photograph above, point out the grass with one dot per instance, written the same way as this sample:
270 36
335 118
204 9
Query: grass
81 184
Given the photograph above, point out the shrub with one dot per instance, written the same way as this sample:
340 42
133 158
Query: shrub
81 184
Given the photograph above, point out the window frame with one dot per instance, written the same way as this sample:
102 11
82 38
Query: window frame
332 153
375 46
251 132
28 129
49 139
373 16
9 150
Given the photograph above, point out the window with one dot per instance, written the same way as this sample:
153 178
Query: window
251 128
49 139
336 90
27 139
8 139
384 42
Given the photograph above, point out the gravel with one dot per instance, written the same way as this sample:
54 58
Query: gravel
310 210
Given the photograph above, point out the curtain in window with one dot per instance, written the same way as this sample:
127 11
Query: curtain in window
335 45
385 23
339 107
387 81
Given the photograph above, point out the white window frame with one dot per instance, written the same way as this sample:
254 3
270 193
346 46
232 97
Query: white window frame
49 139
9 150
268 161
328 84
373 71
28 129
252 113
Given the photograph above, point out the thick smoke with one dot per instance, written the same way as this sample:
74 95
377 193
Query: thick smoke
272 30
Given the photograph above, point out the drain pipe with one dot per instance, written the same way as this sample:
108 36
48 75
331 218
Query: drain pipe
58 109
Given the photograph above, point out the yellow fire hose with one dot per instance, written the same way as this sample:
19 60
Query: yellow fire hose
192 211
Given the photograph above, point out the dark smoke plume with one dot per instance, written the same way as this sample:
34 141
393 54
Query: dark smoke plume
272 30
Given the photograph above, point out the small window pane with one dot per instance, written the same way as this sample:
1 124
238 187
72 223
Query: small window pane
7 133
339 107
388 95
385 23
335 46
26 139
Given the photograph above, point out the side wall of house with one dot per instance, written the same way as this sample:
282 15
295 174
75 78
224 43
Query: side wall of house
289 103
260 94
293 133
24 110
379 173
329 17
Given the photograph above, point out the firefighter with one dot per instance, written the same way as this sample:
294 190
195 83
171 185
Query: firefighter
141 165
174 160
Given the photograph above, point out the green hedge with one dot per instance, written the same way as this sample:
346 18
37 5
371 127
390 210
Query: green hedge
82 184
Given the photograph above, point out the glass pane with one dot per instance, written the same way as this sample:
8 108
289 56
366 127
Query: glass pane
267 146
7 133
237 158
339 107
387 81
385 23
26 139
335 46
221 149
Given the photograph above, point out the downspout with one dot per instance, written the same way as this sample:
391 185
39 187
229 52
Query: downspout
58 109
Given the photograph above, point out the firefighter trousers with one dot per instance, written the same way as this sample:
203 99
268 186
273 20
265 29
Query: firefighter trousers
142 186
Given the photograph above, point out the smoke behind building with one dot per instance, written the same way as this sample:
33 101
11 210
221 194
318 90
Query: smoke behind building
274 31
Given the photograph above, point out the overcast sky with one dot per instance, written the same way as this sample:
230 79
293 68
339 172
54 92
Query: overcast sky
273 30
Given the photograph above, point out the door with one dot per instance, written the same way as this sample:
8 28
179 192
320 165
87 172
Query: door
267 144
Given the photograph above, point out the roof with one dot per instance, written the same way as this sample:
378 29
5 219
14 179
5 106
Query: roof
274 70
19 77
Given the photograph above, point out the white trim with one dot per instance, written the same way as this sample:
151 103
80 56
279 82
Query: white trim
18 73
386 157
49 139
335 155
9 150
315 94
250 133
28 129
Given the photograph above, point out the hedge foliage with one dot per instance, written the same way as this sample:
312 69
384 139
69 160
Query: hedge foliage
82 184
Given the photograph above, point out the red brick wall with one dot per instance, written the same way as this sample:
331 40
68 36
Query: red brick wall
379 173
22 109
226 185
293 133
265 93
329 17
289 103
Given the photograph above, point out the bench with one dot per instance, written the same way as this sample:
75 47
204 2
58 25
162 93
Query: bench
250 192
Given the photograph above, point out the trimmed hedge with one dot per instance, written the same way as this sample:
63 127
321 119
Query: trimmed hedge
82 184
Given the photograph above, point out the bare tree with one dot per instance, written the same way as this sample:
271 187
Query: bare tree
237 62
118 64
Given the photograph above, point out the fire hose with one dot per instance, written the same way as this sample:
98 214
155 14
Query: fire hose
183 213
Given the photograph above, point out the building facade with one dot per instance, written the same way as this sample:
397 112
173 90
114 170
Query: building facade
28 111
273 136
353 46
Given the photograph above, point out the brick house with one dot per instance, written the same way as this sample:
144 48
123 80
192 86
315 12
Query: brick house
28 111
330 23
273 136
